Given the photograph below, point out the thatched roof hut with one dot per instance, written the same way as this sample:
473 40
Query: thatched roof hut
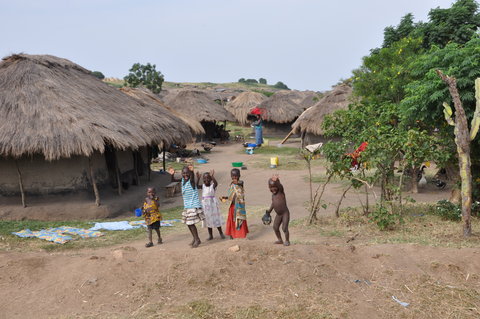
54 107
243 103
198 106
311 119
280 109
150 98
63 130
310 98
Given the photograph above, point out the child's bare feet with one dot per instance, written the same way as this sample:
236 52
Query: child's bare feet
210 238
150 244
160 241
193 241
196 244
222 236
278 242
287 243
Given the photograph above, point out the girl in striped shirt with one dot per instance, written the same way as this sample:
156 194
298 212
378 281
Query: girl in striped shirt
192 212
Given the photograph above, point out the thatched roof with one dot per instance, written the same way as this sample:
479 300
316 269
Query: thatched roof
280 109
54 107
197 105
243 103
311 119
150 98
304 99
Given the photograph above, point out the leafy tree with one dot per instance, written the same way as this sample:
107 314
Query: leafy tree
250 81
98 75
281 85
404 30
241 80
262 81
145 75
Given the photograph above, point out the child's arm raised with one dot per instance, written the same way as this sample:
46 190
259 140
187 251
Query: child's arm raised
215 183
198 180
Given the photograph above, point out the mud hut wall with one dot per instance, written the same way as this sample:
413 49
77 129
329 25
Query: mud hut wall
49 177
276 129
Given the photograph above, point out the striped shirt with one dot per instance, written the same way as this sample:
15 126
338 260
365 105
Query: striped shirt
190 196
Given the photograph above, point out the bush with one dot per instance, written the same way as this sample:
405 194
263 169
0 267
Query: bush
281 85
98 75
262 81
385 219
241 80
448 210
250 81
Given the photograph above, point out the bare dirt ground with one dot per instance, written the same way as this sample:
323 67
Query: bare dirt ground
316 277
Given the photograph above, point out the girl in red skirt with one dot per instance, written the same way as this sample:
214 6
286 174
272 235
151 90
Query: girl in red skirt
237 215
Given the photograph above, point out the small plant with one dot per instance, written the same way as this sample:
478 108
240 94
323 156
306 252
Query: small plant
448 210
385 219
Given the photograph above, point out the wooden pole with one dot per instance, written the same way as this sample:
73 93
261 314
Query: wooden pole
164 164
286 137
20 183
149 161
135 166
94 183
117 172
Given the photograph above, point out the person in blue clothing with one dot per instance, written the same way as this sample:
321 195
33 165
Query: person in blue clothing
258 125
192 212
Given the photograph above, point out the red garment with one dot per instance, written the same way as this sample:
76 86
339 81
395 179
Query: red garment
230 229
257 111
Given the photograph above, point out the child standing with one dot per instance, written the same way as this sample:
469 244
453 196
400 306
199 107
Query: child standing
237 216
192 212
151 213
213 217
279 204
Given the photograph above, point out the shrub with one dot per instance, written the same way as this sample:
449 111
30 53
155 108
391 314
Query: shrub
281 85
385 219
448 210
241 80
262 81
98 75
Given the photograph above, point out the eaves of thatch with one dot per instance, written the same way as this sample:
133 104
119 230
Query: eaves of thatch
312 118
198 106
280 109
154 100
54 107
243 104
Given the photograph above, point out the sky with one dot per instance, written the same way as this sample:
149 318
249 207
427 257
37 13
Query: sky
306 44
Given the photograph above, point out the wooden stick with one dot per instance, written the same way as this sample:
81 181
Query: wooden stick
20 183
286 137
135 166
164 164
93 182
149 152
117 172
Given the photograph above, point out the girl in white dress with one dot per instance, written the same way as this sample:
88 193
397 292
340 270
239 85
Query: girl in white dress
213 218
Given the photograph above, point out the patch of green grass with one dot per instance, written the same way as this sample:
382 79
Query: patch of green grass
274 150
12 242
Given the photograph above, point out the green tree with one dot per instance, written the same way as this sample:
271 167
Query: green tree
98 75
262 81
251 81
241 80
281 85
145 75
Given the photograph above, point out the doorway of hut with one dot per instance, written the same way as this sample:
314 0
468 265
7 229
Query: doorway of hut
112 165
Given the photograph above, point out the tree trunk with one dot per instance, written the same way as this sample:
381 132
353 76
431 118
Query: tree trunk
462 139
337 210
414 182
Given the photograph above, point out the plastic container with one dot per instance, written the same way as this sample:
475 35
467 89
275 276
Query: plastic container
249 150
201 161
273 166
274 161
138 212
237 164
251 145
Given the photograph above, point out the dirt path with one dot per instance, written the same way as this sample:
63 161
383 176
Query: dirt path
261 280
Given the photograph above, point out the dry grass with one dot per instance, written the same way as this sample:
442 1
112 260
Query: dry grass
420 227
